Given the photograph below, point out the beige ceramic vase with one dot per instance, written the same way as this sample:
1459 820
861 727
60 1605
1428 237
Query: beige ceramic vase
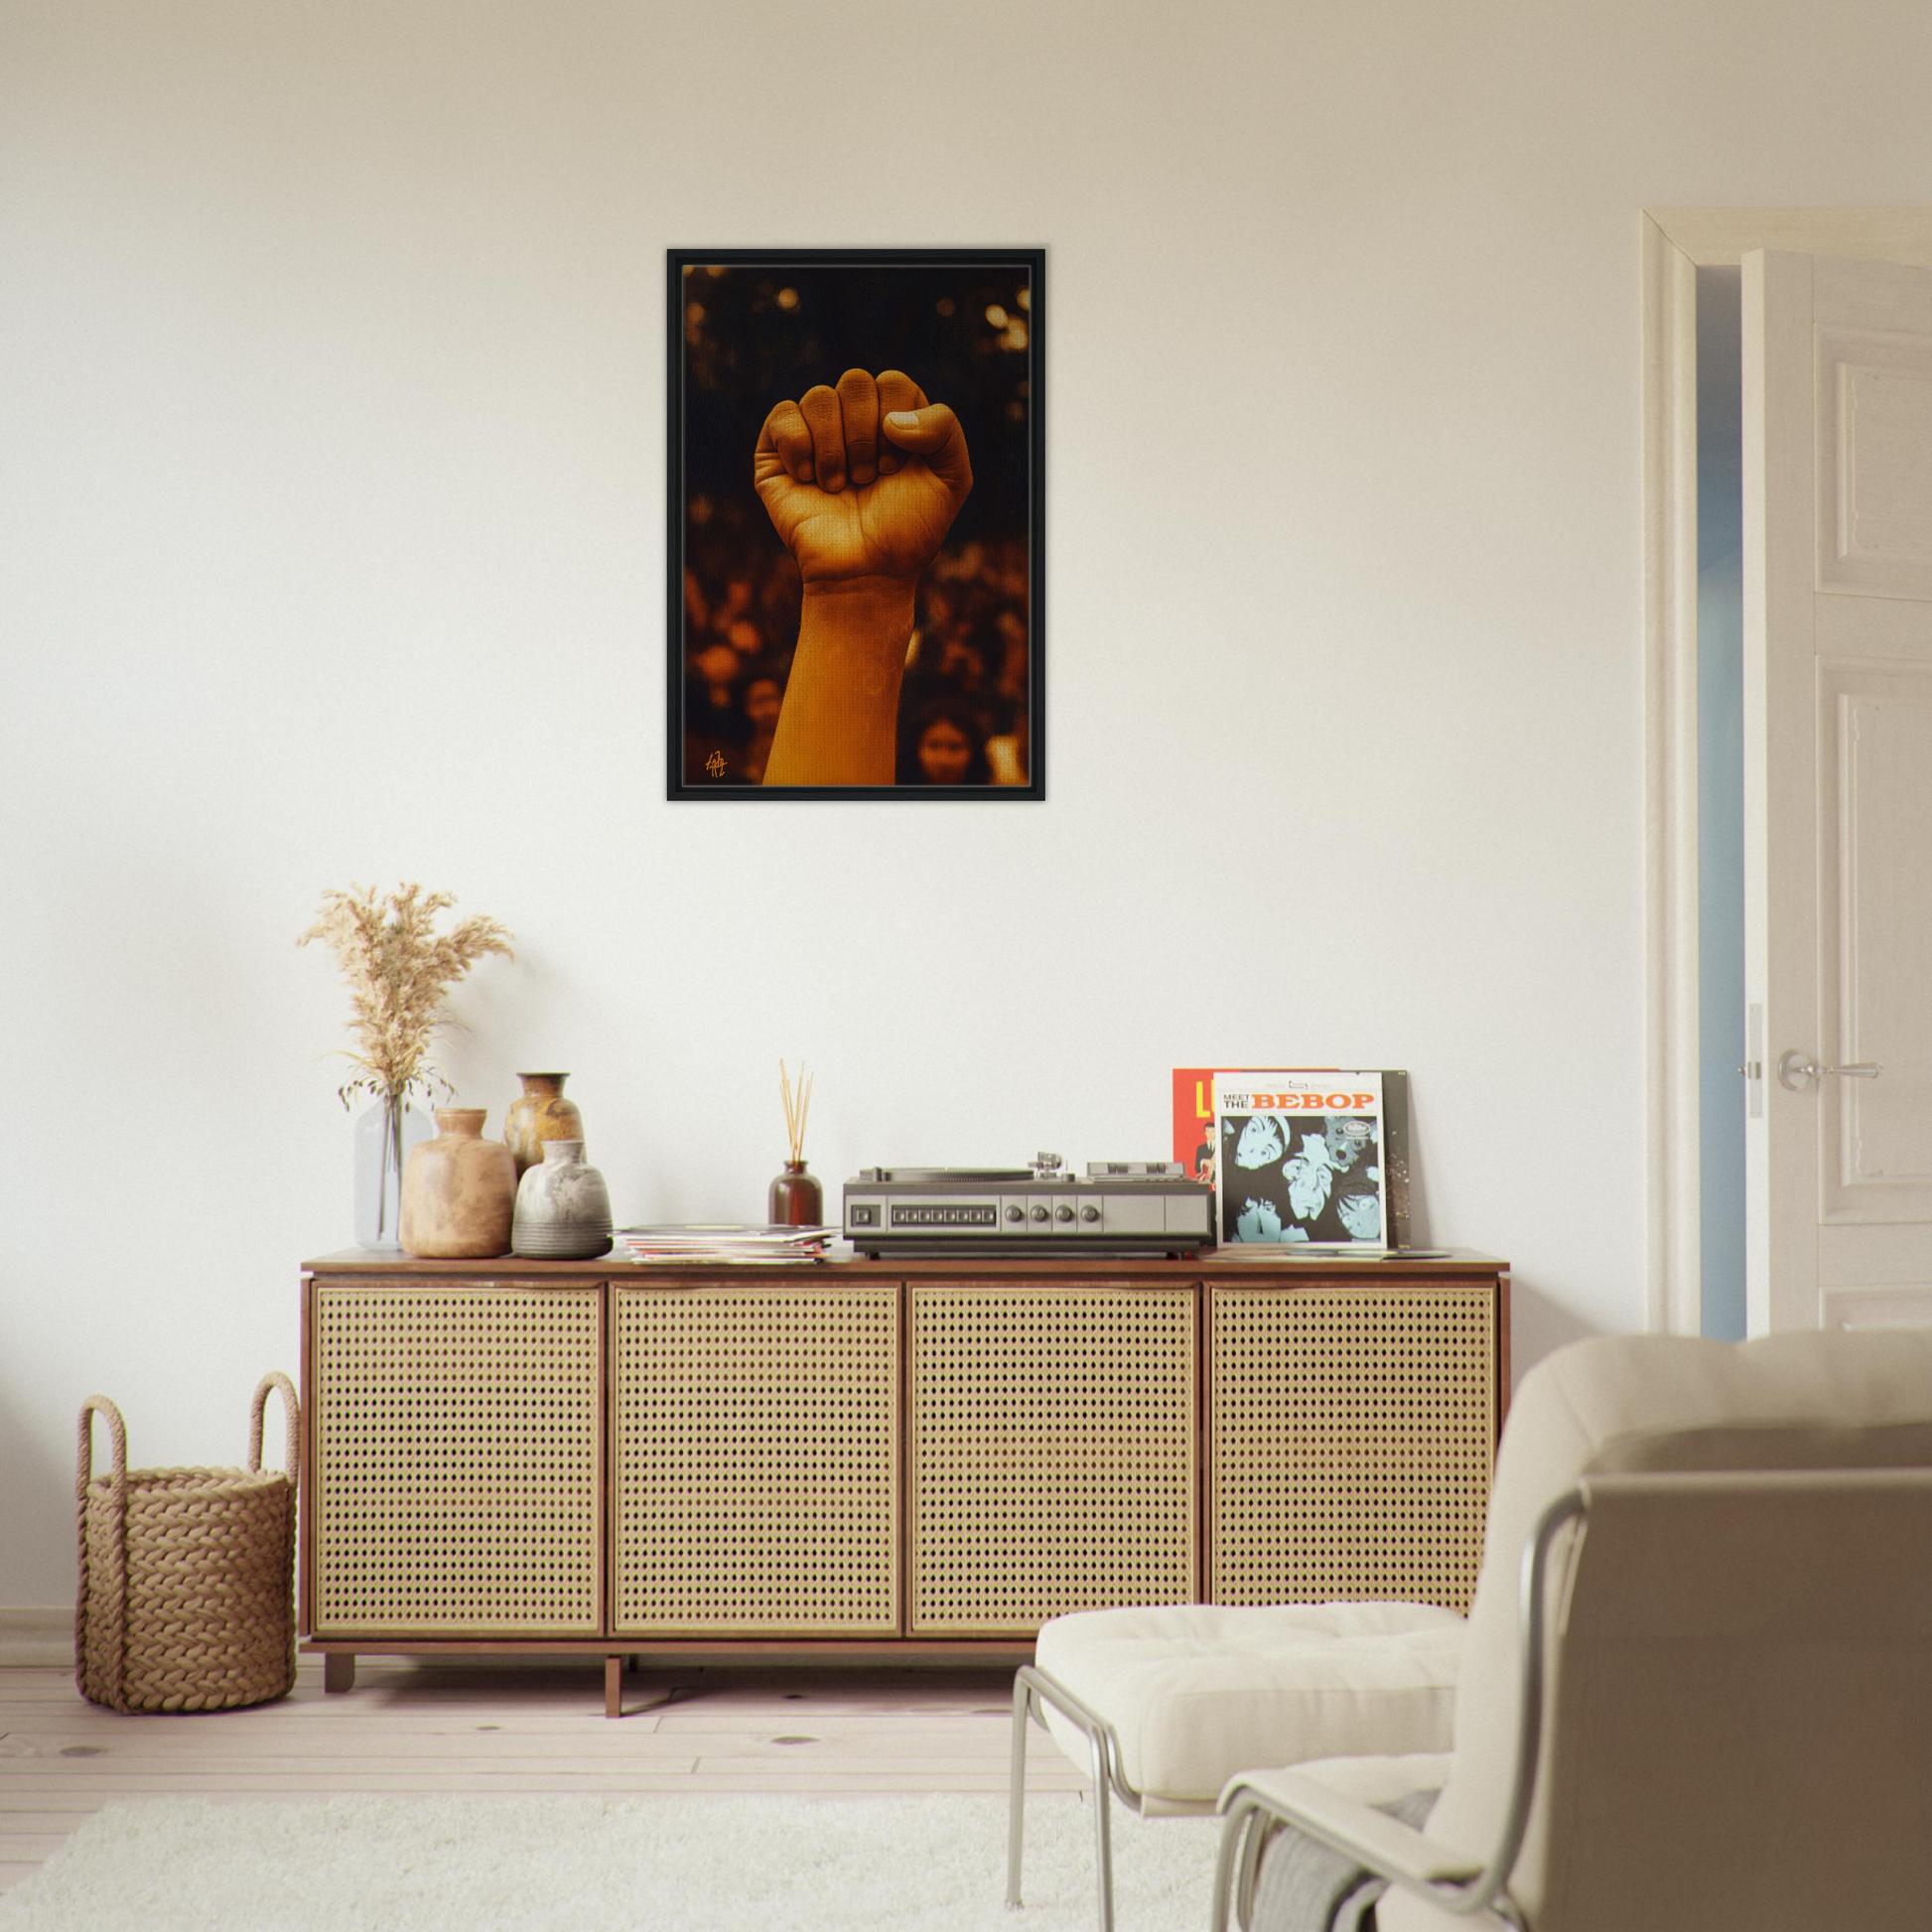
540 1114
459 1190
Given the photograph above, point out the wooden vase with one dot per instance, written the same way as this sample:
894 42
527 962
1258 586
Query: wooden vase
459 1190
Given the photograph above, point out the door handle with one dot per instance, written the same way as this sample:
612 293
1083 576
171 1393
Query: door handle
1797 1070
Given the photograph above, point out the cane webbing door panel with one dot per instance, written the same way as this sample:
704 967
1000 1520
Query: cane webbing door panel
1053 1461
1351 1435
457 1459
853 1456
756 1455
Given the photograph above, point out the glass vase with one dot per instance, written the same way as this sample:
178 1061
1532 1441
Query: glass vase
384 1135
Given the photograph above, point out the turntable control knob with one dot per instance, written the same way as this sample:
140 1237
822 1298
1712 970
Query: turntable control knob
1047 1163
1039 1214
1063 1212
1015 1212
1089 1213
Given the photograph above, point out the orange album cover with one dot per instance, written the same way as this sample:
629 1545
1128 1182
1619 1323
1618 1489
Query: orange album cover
1193 1112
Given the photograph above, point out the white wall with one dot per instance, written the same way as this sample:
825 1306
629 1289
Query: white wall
331 549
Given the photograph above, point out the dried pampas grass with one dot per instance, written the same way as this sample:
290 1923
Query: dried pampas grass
398 969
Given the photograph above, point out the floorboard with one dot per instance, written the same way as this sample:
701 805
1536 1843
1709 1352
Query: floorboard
432 1726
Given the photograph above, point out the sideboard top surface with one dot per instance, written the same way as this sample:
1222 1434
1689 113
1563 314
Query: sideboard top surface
1222 1265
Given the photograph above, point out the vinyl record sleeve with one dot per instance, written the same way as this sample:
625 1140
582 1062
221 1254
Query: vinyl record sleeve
1198 1146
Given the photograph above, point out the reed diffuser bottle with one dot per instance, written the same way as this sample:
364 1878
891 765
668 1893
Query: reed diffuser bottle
795 1200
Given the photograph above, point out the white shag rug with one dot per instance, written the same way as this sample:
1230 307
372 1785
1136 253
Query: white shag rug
751 1863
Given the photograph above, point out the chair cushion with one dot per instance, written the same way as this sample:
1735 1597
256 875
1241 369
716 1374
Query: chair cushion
1198 1691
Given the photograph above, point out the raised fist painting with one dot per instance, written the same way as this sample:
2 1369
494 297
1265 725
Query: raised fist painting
855 475
863 479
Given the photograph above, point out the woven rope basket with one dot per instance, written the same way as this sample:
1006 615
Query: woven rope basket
187 1575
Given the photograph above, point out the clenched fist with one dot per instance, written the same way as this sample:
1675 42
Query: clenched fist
863 479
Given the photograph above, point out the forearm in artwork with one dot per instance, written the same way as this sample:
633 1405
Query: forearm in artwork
839 724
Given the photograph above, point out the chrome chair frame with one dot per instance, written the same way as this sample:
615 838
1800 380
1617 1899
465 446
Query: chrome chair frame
1031 1689
1254 1816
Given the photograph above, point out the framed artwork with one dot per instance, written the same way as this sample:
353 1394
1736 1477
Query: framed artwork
854 541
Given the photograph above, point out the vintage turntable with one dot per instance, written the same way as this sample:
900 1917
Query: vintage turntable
1125 1207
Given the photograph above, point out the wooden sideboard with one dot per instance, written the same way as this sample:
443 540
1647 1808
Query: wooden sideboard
880 1459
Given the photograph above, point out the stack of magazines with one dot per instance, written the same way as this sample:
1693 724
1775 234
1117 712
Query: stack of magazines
727 1241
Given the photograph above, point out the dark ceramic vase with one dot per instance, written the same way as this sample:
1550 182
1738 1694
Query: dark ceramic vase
796 1201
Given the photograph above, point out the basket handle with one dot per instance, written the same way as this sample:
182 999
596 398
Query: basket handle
291 1409
112 1640
117 1431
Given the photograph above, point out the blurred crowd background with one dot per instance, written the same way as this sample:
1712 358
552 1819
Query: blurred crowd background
755 336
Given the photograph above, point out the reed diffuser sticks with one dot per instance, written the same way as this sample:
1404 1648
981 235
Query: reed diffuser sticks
795 1200
798 1103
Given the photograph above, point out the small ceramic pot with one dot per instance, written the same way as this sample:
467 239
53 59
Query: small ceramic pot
563 1208
459 1190
539 1114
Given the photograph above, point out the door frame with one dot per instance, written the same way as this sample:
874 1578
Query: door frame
1676 242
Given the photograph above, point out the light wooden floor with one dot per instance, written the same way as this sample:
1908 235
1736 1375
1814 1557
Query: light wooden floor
509 1729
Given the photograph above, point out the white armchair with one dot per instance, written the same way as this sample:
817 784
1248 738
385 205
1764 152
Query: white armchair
1697 1683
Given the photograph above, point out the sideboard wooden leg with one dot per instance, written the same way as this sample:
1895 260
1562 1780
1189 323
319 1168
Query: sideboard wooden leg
339 1669
613 1687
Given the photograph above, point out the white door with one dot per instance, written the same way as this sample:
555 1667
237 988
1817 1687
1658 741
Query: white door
1837 781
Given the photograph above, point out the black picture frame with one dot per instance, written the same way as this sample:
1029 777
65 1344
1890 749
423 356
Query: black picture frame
745 327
